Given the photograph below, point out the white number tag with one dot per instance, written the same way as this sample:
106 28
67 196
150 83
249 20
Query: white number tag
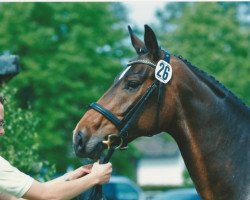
163 71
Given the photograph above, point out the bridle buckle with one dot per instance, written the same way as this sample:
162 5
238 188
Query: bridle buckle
111 142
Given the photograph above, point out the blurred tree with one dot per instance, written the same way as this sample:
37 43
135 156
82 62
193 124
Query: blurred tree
211 36
21 146
70 54
187 182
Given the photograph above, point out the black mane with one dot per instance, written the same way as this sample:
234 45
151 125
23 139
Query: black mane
219 89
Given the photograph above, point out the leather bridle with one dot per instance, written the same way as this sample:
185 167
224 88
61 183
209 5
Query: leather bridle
129 119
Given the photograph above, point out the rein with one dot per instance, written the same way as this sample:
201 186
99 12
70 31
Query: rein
129 119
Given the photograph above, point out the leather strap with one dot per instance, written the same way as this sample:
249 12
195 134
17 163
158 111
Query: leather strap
106 113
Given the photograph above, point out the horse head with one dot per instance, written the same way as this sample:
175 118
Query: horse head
125 102
157 92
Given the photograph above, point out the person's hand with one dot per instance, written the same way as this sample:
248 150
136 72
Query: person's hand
81 171
102 172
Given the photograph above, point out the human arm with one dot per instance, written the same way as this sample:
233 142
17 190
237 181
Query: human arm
81 171
60 189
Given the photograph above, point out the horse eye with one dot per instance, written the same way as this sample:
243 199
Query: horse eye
131 85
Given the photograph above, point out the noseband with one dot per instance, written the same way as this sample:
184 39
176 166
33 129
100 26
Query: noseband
126 123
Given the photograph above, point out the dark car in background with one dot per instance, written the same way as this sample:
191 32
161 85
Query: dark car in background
122 188
178 194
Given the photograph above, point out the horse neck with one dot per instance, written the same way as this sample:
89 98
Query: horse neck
212 137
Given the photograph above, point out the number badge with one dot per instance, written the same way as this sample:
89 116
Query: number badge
163 71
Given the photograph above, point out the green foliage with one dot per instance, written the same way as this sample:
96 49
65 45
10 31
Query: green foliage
70 54
211 36
20 145
187 179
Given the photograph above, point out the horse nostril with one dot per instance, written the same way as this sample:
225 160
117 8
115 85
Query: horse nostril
80 139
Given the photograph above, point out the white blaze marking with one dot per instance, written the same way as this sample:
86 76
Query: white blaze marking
124 72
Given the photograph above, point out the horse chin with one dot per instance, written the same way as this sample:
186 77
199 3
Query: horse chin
96 152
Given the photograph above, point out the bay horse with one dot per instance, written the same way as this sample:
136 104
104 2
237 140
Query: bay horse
158 92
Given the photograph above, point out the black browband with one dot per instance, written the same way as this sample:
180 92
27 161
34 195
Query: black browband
124 124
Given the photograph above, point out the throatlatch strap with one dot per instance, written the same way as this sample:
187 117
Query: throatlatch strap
167 57
161 93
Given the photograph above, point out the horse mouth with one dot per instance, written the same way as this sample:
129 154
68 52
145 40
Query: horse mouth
89 151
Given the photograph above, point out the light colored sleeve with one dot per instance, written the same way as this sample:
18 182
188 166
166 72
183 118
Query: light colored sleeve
12 181
4 196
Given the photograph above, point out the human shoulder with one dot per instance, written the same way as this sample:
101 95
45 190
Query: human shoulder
3 160
4 196
4 163
13 181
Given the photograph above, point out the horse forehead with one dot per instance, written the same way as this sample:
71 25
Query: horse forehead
122 74
132 69
138 68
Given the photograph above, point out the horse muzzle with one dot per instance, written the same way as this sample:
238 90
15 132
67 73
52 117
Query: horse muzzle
87 147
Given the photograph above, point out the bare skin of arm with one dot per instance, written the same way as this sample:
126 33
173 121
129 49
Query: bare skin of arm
80 180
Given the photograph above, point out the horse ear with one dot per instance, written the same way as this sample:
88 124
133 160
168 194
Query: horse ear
151 43
136 42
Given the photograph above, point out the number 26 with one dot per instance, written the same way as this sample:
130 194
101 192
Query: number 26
163 72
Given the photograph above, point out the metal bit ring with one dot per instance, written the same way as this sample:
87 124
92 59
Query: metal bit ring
111 139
